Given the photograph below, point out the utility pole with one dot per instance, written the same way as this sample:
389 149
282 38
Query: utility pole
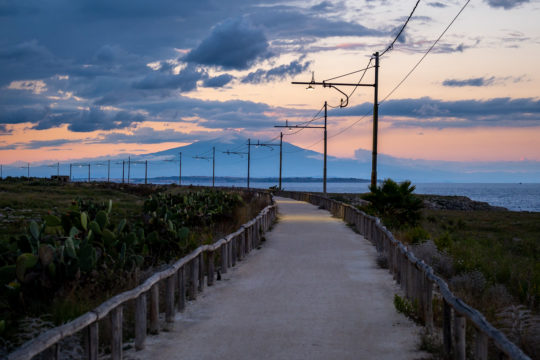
249 161
213 165
287 125
241 154
325 143
58 171
129 168
271 147
280 156
145 172
28 172
108 171
213 162
375 123
343 103
123 169
88 172
180 169
70 168
1 173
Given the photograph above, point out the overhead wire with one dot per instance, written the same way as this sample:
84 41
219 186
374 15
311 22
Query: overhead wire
425 54
391 46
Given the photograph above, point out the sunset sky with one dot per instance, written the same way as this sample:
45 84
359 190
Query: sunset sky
90 78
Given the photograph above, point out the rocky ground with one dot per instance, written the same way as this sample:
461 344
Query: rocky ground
438 202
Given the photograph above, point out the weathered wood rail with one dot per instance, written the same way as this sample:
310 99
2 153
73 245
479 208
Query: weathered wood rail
418 281
184 279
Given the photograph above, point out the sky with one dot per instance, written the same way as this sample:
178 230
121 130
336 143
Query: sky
94 78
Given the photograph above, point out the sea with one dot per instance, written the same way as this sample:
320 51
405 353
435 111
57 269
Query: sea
515 197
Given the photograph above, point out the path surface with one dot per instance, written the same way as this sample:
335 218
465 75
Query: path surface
313 291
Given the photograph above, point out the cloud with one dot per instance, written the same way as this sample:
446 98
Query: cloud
427 112
218 81
322 6
505 4
233 44
147 135
4 130
480 81
77 120
277 73
437 4
186 80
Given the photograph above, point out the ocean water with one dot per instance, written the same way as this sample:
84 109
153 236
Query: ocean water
516 197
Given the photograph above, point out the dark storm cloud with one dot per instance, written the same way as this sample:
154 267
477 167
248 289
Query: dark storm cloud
506 4
480 81
77 120
213 114
218 81
232 44
427 112
277 73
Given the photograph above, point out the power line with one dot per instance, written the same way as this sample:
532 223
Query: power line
426 53
391 46
351 73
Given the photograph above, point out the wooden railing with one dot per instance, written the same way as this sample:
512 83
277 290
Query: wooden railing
185 278
418 282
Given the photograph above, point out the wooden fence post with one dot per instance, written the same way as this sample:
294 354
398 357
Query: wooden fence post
181 288
93 341
447 328
210 272
233 250
140 321
480 345
428 303
169 302
201 272
154 309
459 336
224 258
116 328
193 276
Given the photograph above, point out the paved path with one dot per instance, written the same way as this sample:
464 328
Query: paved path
313 291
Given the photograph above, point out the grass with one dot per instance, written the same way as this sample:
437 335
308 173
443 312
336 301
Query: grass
21 202
503 245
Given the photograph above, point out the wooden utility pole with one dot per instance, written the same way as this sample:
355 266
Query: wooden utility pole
70 169
108 171
213 166
123 170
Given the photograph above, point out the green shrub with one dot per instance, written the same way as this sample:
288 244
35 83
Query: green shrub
395 203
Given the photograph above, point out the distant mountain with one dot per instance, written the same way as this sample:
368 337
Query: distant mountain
297 162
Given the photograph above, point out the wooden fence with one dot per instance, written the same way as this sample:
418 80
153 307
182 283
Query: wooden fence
418 282
184 279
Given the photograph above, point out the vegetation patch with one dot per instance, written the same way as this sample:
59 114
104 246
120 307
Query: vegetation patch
65 256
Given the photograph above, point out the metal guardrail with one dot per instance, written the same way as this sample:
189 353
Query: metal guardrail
417 280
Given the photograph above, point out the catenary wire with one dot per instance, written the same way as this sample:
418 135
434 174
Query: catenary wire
391 46
425 54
